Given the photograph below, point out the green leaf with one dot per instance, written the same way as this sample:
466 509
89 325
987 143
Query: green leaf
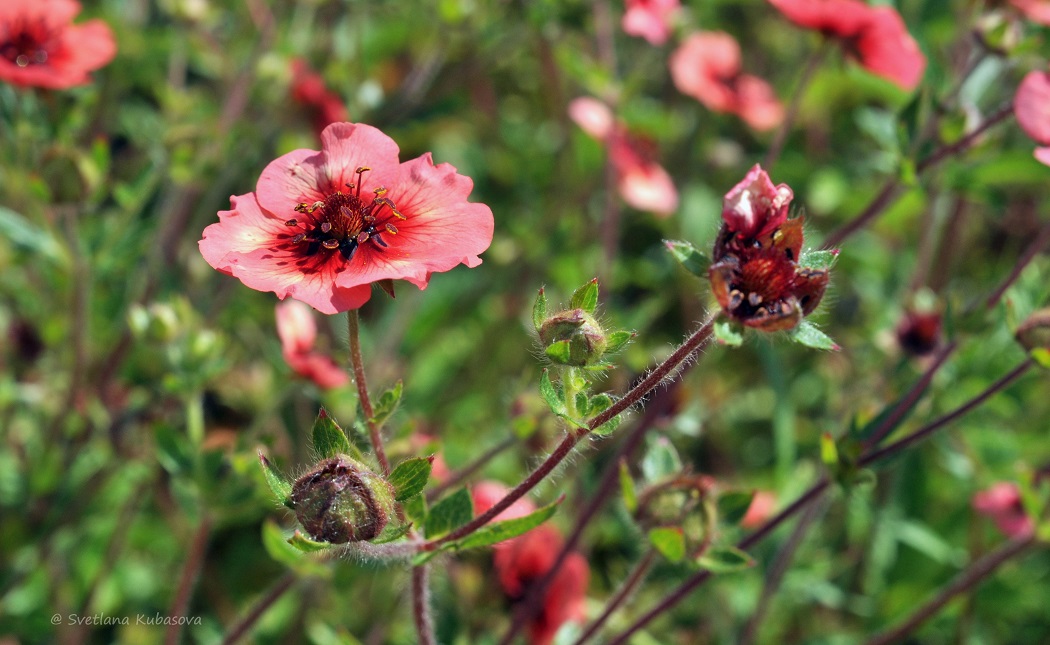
600 403
829 451
173 451
733 505
410 477
552 395
306 545
20 232
728 333
278 548
818 259
416 509
726 559
630 496
690 258
280 486
669 541
1041 355
330 440
387 403
807 334
617 340
451 512
660 461
559 352
539 310
422 558
495 532
393 533
586 297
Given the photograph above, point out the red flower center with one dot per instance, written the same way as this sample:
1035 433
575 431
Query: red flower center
27 43
343 222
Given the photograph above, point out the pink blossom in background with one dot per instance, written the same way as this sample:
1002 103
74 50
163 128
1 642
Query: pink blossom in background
875 36
40 46
298 333
309 89
761 509
650 19
1032 106
641 181
487 493
707 67
1034 10
1002 504
1043 155
323 226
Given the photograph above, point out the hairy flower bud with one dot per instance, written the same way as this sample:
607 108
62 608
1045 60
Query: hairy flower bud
579 332
341 501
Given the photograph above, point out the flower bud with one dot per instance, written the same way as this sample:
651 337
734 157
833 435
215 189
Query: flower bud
578 333
682 502
1034 332
341 501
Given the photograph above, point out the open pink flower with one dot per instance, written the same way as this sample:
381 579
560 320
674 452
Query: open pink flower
1034 10
1032 106
39 45
309 89
707 67
298 333
650 19
756 277
641 182
322 226
1002 504
875 36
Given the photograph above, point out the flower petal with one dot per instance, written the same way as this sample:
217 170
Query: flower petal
295 327
1032 106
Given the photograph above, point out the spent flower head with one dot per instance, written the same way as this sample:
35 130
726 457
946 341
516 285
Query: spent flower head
321 227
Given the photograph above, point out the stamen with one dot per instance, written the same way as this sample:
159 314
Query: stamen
298 238
292 222
330 244
380 191
398 214
362 237
754 298
391 229
326 226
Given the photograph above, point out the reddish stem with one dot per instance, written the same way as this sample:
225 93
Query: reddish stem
241 629
641 570
421 605
353 326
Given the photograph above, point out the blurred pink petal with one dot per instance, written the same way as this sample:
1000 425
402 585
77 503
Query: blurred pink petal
650 19
1043 155
1032 106
298 332
487 493
755 206
1002 504
1034 10
309 89
594 117
761 509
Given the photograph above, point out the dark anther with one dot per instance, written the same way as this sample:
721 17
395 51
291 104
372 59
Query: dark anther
326 226
330 244
298 238
292 222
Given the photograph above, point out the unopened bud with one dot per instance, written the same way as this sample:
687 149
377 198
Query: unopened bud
1034 332
341 501
581 339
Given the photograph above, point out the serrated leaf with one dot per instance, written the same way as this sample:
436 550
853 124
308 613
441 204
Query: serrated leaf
583 404
416 509
306 545
559 352
630 496
688 256
392 533
451 512
726 559
660 461
818 259
551 394
617 340
586 297
410 477
280 486
669 541
330 440
807 334
539 310
729 334
600 403
733 505
387 403
495 532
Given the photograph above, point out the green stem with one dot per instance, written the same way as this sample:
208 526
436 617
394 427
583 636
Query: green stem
353 326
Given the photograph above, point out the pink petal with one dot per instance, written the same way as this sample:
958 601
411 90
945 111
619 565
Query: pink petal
321 369
649 188
703 64
92 43
1043 155
755 205
649 19
758 105
1032 106
884 47
1034 10
840 18
295 327
594 117
487 493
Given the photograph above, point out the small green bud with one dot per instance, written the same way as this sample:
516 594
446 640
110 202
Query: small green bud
342 501
1034 332
582 339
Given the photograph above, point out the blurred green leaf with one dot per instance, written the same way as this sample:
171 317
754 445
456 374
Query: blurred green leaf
733 505
495 532
281 487
410 477
690 258
660 461
32 238
725 560
630 497
729 333
387 404
807 334
539 310
669 541
449 513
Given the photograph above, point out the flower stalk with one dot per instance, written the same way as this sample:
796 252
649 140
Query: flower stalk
353 327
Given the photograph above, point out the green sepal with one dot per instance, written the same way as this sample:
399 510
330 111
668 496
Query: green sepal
416 509
559 352
330 439
688 256
278 548
630 495
600 403
539 310
726 559
1041 355
669 541
552 394
586 297
306 545
807 334
733 505
617 340
728 333
410 477
495 532
818 259
449 513
393 533
387 403
281 487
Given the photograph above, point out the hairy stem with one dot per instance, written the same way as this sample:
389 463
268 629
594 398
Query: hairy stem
638 574
353 327
1034 249
421 605
190 569
241 629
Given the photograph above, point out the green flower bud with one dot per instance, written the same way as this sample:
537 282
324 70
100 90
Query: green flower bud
573 337
1034 332
341 501
682 502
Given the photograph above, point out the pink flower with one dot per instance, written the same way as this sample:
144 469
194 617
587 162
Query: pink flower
298 332
761 509
39 45
1002 504
875 36
322 226
1043 155
641 182
650 19
1035 10
707 67
309 89
1032 106
487 493
755 276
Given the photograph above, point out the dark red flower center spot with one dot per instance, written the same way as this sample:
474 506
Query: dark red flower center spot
26 43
